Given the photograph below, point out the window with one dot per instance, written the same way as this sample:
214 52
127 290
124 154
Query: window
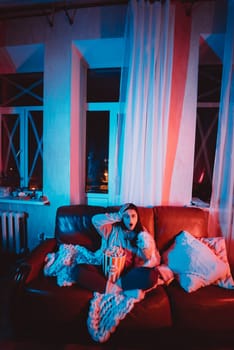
101 127
205 144
209 88
21 131
21 149
103 85
21 89
97 151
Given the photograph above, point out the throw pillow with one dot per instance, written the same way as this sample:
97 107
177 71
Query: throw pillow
195 265
218 246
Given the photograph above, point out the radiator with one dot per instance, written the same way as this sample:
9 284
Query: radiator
13 230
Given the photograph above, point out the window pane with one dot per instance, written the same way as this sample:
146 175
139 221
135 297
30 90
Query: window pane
35 149
25 89
211 49
209 87
206 134
97 150
10 150
209 83
103 85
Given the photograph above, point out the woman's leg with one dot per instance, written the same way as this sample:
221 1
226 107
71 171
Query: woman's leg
139 278
90 277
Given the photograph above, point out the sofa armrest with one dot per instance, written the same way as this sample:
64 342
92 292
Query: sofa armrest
30 268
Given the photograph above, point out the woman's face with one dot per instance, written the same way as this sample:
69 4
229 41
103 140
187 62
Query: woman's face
130 219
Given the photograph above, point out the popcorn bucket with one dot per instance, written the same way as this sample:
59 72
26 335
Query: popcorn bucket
111 259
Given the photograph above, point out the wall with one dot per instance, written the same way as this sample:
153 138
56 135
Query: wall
91 25
57 41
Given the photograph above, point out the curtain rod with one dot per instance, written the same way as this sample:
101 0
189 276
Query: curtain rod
14 11
43 9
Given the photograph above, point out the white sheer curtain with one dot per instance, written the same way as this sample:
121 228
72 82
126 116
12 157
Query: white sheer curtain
147 83
222 200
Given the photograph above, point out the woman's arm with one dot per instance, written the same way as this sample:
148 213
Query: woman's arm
103 222
147 249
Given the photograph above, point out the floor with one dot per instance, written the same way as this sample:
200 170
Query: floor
7 341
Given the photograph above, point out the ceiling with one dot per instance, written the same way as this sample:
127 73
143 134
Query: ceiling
81 3
11 9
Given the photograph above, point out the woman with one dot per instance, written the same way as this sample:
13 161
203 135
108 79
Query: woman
122 230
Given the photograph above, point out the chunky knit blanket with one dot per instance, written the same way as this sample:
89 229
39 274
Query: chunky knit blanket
107 309
60 264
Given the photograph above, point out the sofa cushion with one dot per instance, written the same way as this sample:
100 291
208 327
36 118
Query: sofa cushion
147 219
209 308
169 221
44 300
74 225
194 263
150 313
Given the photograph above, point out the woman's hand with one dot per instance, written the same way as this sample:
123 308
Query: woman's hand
140 242
113 273
145 244
122 210
113 269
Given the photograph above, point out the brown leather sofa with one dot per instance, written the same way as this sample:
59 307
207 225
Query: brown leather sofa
168 315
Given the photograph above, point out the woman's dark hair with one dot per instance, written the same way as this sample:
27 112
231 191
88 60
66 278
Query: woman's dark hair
139 227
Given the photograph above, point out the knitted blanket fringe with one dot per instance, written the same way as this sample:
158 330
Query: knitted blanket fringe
107 310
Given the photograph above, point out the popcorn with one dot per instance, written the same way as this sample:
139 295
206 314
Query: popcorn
115 251
113 257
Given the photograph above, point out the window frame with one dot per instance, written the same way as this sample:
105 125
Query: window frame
23 113
205 105
113 109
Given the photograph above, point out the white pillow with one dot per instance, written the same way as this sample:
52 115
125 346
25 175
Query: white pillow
195 265
218 246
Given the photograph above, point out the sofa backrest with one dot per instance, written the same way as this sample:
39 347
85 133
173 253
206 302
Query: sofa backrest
147 219
170 220
73 223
